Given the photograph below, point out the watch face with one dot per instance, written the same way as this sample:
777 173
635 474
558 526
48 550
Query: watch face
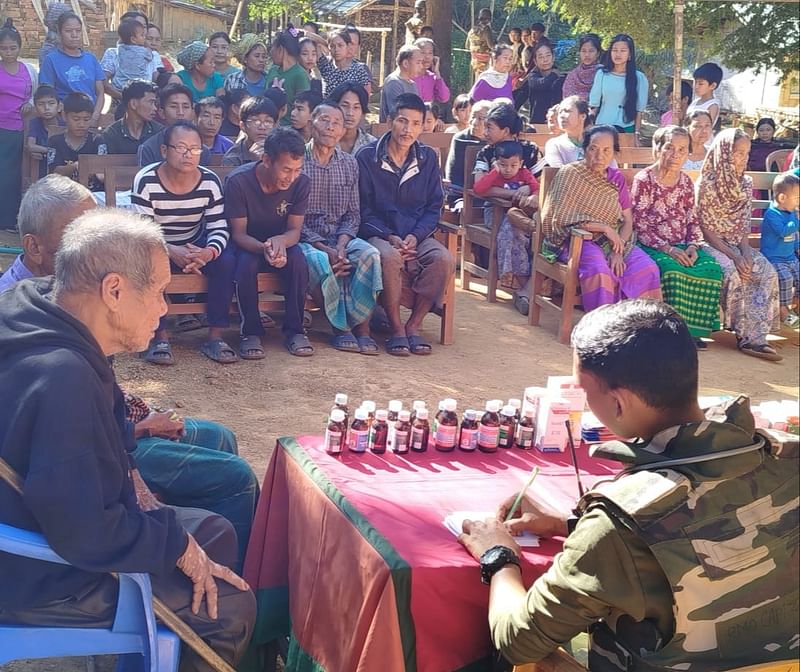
493 555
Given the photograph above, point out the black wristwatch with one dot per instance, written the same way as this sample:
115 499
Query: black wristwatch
493 560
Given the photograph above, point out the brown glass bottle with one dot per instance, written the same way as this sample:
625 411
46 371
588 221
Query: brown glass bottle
340 402
489 428
526 429
420 431
335 432
402 433
359 429
378 432
446 434
468 438
505 437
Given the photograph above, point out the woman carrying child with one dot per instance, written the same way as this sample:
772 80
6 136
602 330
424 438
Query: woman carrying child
18 81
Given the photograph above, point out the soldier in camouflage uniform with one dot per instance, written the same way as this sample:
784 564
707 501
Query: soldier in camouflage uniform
688 560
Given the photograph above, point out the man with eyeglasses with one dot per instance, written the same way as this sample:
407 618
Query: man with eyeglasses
257 117
175 104
136 126
185 199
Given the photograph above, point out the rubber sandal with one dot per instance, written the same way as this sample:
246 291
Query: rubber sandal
188 323
398 346
762 351
418 345
367 345
249 345
158 352
266 320
345 342
299 346
522 304
219 351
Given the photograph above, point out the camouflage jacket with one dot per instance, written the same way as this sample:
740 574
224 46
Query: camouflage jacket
717 506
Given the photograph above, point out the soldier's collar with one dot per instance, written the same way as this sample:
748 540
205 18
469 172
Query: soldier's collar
732 417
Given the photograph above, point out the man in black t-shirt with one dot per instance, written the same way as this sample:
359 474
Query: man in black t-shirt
265 203
136 125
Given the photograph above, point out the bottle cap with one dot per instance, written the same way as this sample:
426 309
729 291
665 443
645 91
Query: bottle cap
499 403
361 414
395 405
450 405
422 414
515 403
441 404
337 415
530 412
382 415
469 414
340 399
369 406
418 404
493 406
404 416
509 411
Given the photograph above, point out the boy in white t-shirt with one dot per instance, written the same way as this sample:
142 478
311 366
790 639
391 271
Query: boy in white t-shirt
707 79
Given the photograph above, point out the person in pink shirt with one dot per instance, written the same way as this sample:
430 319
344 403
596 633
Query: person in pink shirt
430 85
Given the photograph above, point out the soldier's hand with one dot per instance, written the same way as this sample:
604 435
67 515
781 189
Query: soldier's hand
534 516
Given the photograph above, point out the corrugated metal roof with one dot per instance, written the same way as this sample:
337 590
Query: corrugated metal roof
351 6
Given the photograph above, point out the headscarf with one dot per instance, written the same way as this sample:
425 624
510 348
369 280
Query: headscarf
246 44
192 54
724 196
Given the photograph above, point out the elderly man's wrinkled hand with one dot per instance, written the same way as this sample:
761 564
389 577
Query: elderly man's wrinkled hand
202 571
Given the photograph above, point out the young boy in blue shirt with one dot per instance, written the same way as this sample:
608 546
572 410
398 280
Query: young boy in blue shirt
779 242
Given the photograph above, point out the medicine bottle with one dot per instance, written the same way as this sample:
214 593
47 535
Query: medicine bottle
359 430
420 431
508 426
445 436
335 432
378 432
468 439
489 428
525 430
402 432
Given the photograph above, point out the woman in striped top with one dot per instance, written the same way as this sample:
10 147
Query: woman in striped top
186 201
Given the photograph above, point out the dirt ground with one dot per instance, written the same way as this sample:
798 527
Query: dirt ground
495 355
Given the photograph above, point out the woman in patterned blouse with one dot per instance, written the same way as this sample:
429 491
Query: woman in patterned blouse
666 225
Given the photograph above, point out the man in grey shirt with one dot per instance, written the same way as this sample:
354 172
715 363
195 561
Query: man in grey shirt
409 65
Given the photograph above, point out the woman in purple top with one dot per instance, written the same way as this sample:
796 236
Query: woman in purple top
17 84
495 82
579 80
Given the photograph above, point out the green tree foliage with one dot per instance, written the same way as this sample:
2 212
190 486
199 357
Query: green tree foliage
744 35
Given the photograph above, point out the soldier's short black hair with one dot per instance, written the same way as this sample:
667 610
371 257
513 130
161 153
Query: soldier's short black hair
640 345
283 140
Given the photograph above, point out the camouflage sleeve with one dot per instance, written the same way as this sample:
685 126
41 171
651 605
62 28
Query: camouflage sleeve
603 569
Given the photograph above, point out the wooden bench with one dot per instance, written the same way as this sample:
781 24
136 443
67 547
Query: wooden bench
625 140
97 164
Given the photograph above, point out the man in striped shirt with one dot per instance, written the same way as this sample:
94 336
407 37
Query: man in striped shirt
185 199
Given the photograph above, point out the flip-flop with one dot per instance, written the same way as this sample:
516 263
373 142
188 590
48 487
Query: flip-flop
367 345
249 345
398 346
418 345
299 345
266 320
345 342
219 351
158 352
762 351
522 304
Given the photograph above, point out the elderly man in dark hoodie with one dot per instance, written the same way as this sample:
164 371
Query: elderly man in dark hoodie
63 418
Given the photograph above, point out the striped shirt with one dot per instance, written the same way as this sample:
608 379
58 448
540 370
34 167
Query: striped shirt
197 217
357 72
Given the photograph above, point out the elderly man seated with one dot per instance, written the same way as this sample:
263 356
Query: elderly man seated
400 187
344 271
185 461
63 422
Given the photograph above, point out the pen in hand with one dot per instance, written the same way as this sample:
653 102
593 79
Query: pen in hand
521 494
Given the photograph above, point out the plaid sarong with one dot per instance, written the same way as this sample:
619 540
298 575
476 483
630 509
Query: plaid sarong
349 301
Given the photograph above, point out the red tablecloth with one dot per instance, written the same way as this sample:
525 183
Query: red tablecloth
349 555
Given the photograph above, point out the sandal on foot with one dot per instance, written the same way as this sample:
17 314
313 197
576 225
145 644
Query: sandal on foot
219 351
299 345
418 345
188 323
158 352
522 304
345 342
762 351
367 345
398 346
266 320
250 348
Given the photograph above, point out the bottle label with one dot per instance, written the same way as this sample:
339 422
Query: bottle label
446 436
400 444
358 440
333 442
502 437
417 439
390 434
469 439
525 437
488 435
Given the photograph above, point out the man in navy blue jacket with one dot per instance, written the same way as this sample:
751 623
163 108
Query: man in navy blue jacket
400 186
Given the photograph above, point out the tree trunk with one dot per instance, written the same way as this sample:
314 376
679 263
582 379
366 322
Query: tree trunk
439 16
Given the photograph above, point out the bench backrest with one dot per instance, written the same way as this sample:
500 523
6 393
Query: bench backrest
120 178
97 164
625 139
441 142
